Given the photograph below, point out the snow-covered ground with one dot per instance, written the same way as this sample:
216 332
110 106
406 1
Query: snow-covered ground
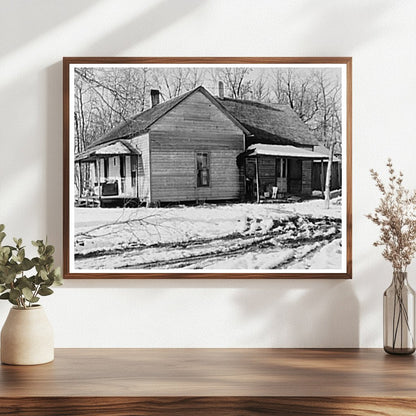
301 235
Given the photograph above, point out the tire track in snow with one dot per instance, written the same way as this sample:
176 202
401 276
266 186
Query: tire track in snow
294 232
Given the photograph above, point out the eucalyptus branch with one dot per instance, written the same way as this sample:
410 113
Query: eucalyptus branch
15 285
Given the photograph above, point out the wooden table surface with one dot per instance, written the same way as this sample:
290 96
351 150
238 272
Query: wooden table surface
212 381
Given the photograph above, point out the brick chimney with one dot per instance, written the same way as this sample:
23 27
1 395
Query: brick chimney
221 90
154 97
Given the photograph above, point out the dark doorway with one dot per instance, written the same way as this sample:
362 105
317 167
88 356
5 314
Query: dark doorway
123 173
123 166
294 176
106 168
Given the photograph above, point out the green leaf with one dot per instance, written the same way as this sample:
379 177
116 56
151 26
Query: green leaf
13 302
24 282
45 291
27 293
5 250
48 261
18 242
37 243
2 236
21 254
2 227
43 274
2 288
26 264
8 277
49 250
58 280
15 294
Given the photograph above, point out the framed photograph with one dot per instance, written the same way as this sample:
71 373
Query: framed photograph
207 168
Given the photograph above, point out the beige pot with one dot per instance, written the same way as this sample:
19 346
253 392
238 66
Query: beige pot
27 337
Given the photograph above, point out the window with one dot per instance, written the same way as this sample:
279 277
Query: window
140 167
136 167
281 168
133 170
202 169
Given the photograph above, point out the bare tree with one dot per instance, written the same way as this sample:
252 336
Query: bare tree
297 89
329 123
177 81
260 90
235 81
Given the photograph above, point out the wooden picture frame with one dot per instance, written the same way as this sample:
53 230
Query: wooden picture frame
252 188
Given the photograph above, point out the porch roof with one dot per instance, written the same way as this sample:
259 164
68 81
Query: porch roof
111 149
283 151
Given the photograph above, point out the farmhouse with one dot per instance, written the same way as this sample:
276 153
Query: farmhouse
197 147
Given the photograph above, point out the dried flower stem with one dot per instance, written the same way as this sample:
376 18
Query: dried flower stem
396 217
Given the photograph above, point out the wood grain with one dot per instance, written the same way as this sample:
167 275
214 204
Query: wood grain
212 381
207 406
67 61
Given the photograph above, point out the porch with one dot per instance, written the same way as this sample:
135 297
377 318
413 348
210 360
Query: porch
107 175
274 172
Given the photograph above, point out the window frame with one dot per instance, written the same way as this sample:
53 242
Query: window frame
199 183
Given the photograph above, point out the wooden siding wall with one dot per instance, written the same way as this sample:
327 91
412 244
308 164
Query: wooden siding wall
195 125
141 143
336 176
267 175
306 177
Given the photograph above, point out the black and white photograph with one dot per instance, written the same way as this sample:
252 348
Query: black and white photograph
207 168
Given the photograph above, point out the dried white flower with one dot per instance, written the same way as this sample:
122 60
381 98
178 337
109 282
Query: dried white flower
396 217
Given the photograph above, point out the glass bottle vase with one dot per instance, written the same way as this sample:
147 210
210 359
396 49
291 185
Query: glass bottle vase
399 316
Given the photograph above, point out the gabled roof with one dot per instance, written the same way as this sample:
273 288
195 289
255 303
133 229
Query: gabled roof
270 123
141 122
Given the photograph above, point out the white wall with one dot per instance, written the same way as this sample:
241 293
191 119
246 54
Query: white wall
380 35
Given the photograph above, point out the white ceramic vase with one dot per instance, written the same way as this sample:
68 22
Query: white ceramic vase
27 337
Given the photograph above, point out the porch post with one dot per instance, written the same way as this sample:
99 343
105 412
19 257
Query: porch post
80 179
137 179
99 179
257 180
322 177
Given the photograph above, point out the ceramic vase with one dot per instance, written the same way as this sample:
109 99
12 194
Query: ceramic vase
27 337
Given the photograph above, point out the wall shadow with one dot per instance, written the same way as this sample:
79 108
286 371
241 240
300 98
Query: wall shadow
42 16
301 313
348 25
